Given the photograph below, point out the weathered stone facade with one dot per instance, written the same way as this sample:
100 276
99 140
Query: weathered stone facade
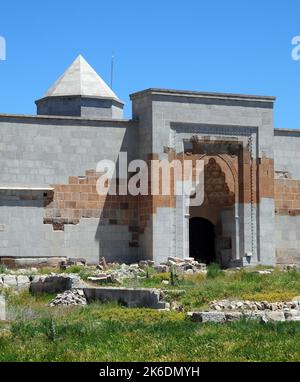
49 205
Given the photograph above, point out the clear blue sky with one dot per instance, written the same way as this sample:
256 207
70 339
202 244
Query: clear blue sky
225 46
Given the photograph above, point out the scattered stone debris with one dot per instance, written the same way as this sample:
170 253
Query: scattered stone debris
233 310
262 316
181 265
162 268
126 272
175 306
146 263
71 261
187 265
101 278
69 297
290 267
76 261
240 305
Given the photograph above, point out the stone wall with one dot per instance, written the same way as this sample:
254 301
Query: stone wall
287 196
174 117
37 152
68 217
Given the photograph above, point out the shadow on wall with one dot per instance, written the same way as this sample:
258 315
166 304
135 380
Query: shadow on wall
118 230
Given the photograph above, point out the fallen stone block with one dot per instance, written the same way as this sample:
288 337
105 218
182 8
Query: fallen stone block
296 301
274 316
134 265
189 259
27 262
162 268
2 308
100 279
130 297
216 317
55 283
189 272
264 272
10 281
294 318
76 261
174 259
174 293
254 315
292 315
175 306
102 264
23 283
200 266
146 263
233 316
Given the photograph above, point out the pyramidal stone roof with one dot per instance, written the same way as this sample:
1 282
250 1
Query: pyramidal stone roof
80 79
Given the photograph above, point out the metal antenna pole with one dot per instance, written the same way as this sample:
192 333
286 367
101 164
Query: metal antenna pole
112 71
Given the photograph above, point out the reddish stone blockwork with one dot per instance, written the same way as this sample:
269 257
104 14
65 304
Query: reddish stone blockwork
228 179
79 199
287 197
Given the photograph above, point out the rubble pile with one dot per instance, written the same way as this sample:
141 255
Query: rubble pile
119 274
69 297
116 273
187 265
239 305
131 271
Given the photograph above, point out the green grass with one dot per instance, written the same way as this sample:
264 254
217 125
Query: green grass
3 268
213 271
200 290
109 332
82 271
112 333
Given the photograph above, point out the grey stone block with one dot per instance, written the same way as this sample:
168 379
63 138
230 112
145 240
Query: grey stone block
254 315
10 281
292 315
275 316
23 283
55 283
162 268
2 308
131 297
216 317
233 316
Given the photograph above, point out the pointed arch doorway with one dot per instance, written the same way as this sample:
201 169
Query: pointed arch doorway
202 240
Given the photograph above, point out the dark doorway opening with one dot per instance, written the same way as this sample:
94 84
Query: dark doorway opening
202 240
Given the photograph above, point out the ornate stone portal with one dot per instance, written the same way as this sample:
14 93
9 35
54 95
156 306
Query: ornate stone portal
217 218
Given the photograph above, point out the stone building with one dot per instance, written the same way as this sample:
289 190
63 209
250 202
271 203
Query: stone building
49 206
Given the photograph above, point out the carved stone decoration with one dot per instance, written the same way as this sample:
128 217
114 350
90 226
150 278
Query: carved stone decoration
215 187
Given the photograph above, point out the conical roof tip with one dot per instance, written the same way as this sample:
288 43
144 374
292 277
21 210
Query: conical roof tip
80 79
